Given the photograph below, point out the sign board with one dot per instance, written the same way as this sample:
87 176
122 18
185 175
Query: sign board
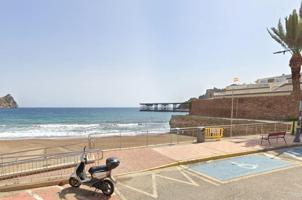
213 133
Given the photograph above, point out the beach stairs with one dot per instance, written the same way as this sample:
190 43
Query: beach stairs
18 170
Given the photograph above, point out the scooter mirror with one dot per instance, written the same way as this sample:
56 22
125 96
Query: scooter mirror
84 148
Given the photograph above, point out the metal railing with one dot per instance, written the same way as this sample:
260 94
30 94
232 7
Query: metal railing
44 166
57 162
244 129
179 135
38 152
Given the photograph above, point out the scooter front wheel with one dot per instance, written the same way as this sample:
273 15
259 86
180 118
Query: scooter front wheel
107 187
73 182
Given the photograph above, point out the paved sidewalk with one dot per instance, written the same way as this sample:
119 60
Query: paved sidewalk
138 159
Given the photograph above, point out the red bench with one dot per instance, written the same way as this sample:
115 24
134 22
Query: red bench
274 135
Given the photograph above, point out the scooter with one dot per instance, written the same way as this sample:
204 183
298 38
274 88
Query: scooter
99 176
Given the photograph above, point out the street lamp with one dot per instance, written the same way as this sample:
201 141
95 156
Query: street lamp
298 129
235 80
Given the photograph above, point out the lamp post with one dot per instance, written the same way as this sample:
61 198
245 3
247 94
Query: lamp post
235 80
298 128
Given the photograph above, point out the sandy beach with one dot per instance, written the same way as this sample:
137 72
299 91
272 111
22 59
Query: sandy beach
66 144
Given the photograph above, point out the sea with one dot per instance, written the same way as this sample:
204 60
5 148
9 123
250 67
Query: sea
80 122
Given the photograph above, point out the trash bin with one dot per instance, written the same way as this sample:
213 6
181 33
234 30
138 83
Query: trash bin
200 135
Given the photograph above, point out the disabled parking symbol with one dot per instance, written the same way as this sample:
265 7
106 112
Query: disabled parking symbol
245 165
236 167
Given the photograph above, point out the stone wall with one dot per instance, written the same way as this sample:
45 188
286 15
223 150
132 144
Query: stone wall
268 107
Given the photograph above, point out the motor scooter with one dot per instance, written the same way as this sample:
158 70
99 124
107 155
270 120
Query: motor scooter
99 177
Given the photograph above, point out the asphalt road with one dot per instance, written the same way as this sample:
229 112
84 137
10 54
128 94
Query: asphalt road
269 181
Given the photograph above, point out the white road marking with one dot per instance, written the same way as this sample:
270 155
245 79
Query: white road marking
245 165
203 177
120 194
154 176
154 193
293 155
271 156
262 173
35 196
191 182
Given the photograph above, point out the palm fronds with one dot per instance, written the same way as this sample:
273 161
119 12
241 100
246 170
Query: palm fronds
290 35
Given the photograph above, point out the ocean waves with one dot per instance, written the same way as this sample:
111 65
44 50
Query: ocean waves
81 130
80 122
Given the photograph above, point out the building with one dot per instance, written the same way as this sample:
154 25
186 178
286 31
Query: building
272 86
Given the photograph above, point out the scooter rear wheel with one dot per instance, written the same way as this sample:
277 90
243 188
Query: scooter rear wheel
107 188
73 182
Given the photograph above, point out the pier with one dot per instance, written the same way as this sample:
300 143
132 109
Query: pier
165 107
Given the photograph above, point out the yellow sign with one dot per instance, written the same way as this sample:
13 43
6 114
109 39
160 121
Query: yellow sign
213 133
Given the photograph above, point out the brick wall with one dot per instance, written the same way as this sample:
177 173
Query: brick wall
269 107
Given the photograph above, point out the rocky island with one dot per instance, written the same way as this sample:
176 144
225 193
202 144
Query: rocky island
8 102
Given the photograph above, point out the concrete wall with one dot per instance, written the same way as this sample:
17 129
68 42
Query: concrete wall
268 107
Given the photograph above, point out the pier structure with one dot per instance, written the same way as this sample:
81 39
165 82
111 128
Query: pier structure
164 107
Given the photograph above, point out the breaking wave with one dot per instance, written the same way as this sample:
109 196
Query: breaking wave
80 130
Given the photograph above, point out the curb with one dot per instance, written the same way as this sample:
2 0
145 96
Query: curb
34 185
173 164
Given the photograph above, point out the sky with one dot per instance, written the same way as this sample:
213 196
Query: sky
117 53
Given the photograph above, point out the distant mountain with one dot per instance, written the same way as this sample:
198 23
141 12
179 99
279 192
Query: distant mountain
8 102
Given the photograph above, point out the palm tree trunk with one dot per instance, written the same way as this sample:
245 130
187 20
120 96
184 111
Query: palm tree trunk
295 65
296 82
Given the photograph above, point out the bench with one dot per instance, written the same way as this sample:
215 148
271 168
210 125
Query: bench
274 135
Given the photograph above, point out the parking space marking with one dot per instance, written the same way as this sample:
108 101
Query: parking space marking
155 177
263 173
203 177
35 196
271 156
154 188
189 182
294 153
245 165
119 194
232 169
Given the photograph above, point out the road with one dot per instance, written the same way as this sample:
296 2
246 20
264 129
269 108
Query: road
272 175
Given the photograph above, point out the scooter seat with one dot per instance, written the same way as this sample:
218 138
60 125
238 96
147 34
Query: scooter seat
102 168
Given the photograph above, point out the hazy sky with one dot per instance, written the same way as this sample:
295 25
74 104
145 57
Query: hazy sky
121 52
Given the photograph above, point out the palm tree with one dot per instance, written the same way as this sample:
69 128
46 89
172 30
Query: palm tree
290 38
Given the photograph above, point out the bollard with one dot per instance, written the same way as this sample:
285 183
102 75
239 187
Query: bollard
200 135
177 133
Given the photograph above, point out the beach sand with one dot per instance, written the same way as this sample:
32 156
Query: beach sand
67 144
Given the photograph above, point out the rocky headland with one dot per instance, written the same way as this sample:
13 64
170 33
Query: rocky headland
8 102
